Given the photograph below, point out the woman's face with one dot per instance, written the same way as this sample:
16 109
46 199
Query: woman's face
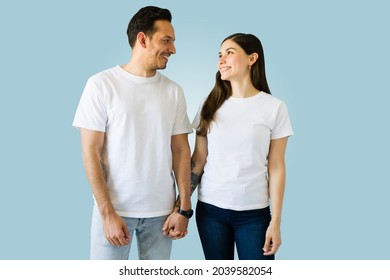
234 63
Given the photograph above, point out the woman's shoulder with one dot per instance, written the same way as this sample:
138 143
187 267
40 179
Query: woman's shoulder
272 99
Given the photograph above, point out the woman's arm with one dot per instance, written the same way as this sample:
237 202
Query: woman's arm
277 178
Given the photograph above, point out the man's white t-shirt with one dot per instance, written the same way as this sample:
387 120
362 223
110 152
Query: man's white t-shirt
238 145
138 115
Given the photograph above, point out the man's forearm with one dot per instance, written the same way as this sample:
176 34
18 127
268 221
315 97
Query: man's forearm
97 176
182 173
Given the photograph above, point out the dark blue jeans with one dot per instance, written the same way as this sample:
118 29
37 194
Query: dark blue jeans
221 229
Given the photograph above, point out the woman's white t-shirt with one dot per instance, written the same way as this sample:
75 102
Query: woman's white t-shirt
238 146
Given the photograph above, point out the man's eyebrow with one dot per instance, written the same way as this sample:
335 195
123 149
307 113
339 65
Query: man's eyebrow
169 37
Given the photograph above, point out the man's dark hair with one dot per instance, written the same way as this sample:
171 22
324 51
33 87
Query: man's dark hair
143 21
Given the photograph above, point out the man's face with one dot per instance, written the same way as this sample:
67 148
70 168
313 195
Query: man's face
160 45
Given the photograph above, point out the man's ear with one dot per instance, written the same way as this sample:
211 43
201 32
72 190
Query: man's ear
141 39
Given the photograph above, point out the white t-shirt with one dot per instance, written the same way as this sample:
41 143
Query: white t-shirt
138 115
238 145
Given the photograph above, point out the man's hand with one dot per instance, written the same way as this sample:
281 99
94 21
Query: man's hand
115 230
175 226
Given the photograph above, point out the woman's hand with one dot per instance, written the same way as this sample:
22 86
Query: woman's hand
273 239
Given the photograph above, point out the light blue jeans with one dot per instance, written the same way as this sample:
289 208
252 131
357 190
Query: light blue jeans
152 244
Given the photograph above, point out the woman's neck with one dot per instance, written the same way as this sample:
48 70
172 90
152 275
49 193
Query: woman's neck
243 89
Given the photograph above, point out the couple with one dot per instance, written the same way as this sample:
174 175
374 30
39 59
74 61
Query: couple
134 128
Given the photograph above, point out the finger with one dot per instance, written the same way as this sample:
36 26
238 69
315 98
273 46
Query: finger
166 230
180 235
123 237
173 233
165 226
127 236
274 249
114 242
177 234
122 241
267 244
111 241
275 246
269 252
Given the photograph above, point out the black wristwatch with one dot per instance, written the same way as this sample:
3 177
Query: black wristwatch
188 214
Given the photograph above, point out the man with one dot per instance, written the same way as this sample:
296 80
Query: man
134 127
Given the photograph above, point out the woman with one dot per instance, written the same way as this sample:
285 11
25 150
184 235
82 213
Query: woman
242 133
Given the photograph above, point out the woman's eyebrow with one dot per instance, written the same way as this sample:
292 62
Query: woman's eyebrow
231 48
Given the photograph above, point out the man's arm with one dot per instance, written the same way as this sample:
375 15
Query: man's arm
181 167
198 161
114 227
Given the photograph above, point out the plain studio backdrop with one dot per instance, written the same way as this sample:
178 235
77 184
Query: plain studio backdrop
328 60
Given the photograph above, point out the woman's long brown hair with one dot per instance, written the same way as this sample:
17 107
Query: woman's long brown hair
222 89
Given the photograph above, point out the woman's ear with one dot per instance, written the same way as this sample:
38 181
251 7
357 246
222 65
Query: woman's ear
253 58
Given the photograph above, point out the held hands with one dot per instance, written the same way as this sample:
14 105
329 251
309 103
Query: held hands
272 239
115 230
175 226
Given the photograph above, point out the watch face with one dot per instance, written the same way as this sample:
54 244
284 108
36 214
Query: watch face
187 214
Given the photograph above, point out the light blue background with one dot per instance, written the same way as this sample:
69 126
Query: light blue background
329 60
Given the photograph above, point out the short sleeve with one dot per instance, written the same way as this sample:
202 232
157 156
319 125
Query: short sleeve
91 112
282 126
196 120
182 123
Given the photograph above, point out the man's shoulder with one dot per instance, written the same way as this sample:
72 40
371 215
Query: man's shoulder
105 74
168 81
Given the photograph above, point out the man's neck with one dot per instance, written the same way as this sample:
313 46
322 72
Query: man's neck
137 68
